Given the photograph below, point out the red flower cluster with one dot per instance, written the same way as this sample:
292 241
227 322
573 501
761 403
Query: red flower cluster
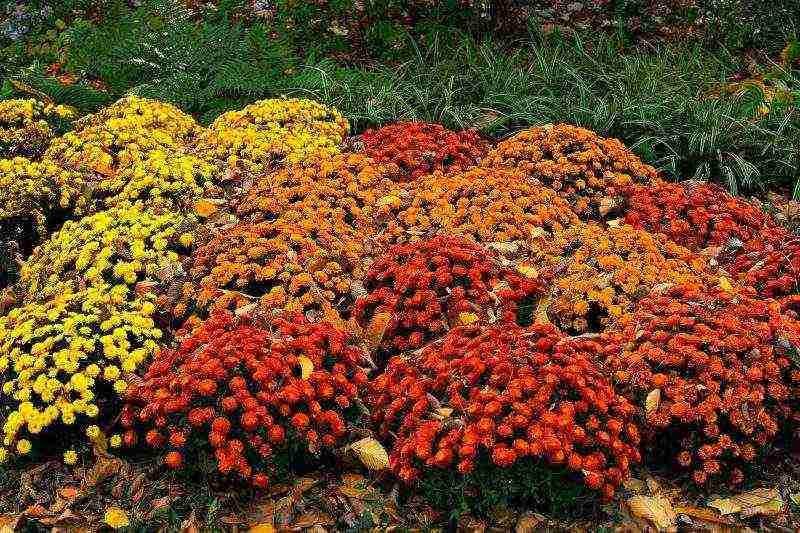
693 215
248 390
420 148
585 169
429 286
769 262
719 359
508 392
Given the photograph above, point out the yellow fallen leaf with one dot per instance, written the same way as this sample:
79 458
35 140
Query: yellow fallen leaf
652 402
753 502
656 509
306 366
262 528
706 515
390 200
725 284
371 453
540 316
465 319
376 330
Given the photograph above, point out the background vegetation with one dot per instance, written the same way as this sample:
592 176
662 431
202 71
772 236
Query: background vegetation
700 90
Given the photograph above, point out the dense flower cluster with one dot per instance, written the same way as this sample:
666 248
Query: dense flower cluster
695 215
271 132
62 366
275 266
600 273
136 149
114 249
248 393
487 206
428 287
27 126
342 191
508 392
719 359
769 262
35 191
420 148
587 170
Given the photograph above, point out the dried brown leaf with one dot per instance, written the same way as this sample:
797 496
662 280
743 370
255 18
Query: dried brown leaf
656 509
764 501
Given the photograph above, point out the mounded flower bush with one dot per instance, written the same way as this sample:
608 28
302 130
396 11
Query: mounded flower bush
342 191
420 148
269 268
273 132
599 274
119 247
425 288
508 393
585 169
695 215
63 364
486 206
712 367
27 126
248 393
233 261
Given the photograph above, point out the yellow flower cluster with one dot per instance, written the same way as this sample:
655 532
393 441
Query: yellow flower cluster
600 273
136 149
55 356
273 131
26 126
121 246
33 191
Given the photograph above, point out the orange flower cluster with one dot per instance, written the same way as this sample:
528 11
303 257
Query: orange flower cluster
508 392
769 262
600 273
306 268
484 205
247 392
427 287
693 215
341 190
711 367
584 168
420 148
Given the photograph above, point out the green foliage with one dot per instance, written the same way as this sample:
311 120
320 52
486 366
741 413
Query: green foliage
528 484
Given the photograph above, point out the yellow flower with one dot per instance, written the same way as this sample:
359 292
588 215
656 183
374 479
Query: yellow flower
23 446
116 518
92 411
116 440
3 455
120 386
93 432
70 457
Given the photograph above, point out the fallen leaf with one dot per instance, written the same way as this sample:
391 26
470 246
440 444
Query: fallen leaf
725 284
655 509
371 453
204 209
376 330
753 502
540 315
634 485
528 522
706 515
306 366
262 528
465 319
652 402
